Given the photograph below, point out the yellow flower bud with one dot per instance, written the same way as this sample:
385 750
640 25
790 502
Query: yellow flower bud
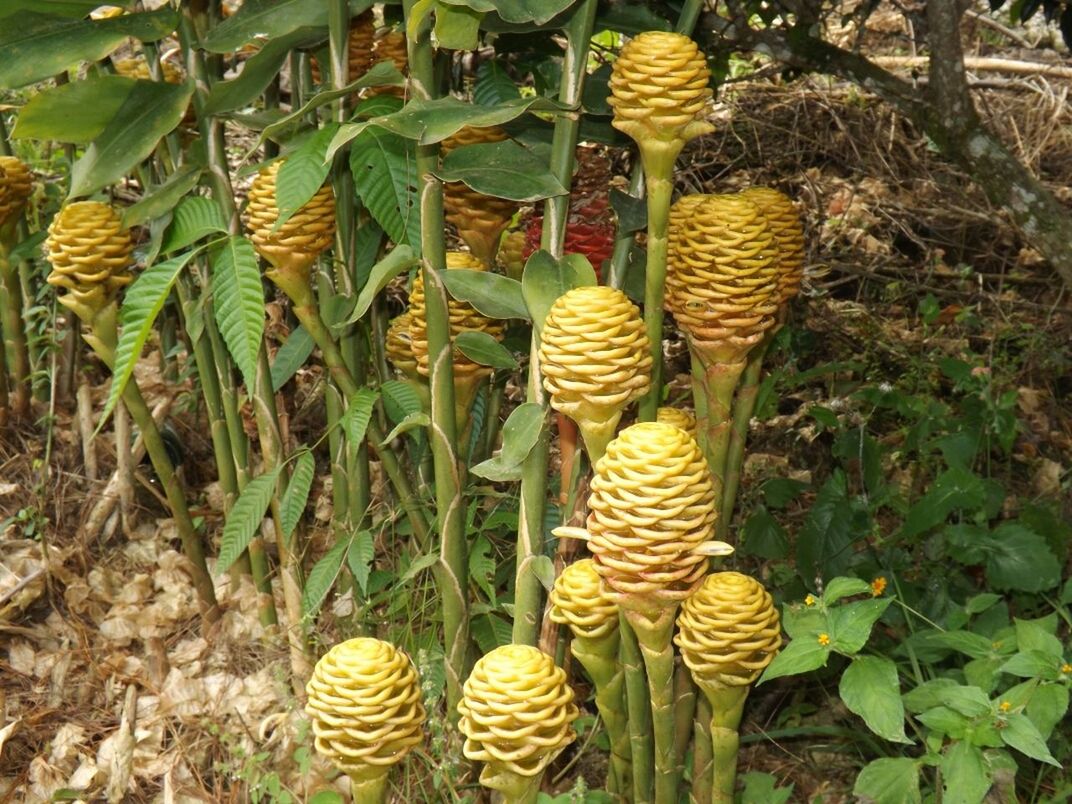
678 417
359 44
391 46
517 712
138 67
399 348
512 253
652 510
90 253
722 272
728 631
365 706
784 221
298 242
595 359
580 601
659 88
16 184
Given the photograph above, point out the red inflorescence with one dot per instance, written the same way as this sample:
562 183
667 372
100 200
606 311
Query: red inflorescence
589 232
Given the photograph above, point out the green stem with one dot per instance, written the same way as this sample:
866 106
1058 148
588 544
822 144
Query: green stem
370 789
514 788
639 706
528 596
14 327
727 705
654 635
660 187
714 380
744 405
702 769
599 657
689 14
684 714
103 342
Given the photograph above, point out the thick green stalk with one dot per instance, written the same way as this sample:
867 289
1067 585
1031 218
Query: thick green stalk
715 386
599 657
654 637
744 405
684 714
528 595
14 327
639 705
702 768
452 571
369 790
660 187
727 705
103 341
512 787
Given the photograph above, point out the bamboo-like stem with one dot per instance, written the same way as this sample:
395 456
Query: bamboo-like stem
639 706
653 635
688 16
371 789
714 422
727 706
744 405
684 713
660 187
194 18
528 596
102 340
702 767
452 571
512 787
14 327
599 657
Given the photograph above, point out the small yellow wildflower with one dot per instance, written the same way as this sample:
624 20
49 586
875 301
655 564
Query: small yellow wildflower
1004 706
1066 668
995 645
824 639
878 586
809 600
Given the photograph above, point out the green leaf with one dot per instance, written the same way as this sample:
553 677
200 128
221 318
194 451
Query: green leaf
761 788
41 45
326 797
400 399
945 721
258 71
269 19
141 305
481 348
799 656
543 568
762 536
520 433
161 200
1020 733
246 517
359 559
968 701
1039 635
491 294
1032 664
397 260
290 357
928 695
974 645
302 174
545 279
150 111
61 8
419 565
358 414
292 506
870 688
966 774
195 217
850 625
825 540
239 304
1047 707
980 603
322 577
384 167
494 85
844 587
956 488
457 28
411 422
1020 560
75 112
501 169
892 780
482 567
778 492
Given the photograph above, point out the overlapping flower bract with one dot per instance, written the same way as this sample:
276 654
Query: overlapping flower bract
90 253
305 234
580 601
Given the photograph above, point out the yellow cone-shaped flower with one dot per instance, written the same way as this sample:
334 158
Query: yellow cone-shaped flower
580 601
651 516
391 46
728 631
595 360
399 348
472 135
138 67
660 93
722 274
16 184
512 253
784 221
365 706
517 715
463 318
359 45
678 417
90 253
480 219
297 243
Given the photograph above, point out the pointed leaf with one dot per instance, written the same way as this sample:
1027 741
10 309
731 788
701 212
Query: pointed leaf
545 279
194 218
292 506
491 294
358 414
965 773
520 433
400 399
322 577
238 299
359 559
1020 733
844 587
385 174
150 111
870 688
75 112
501 169
141 305
893 780
411 422
246 517
269 19
481 348
397 260
799 656
302 174
161 200
290 357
